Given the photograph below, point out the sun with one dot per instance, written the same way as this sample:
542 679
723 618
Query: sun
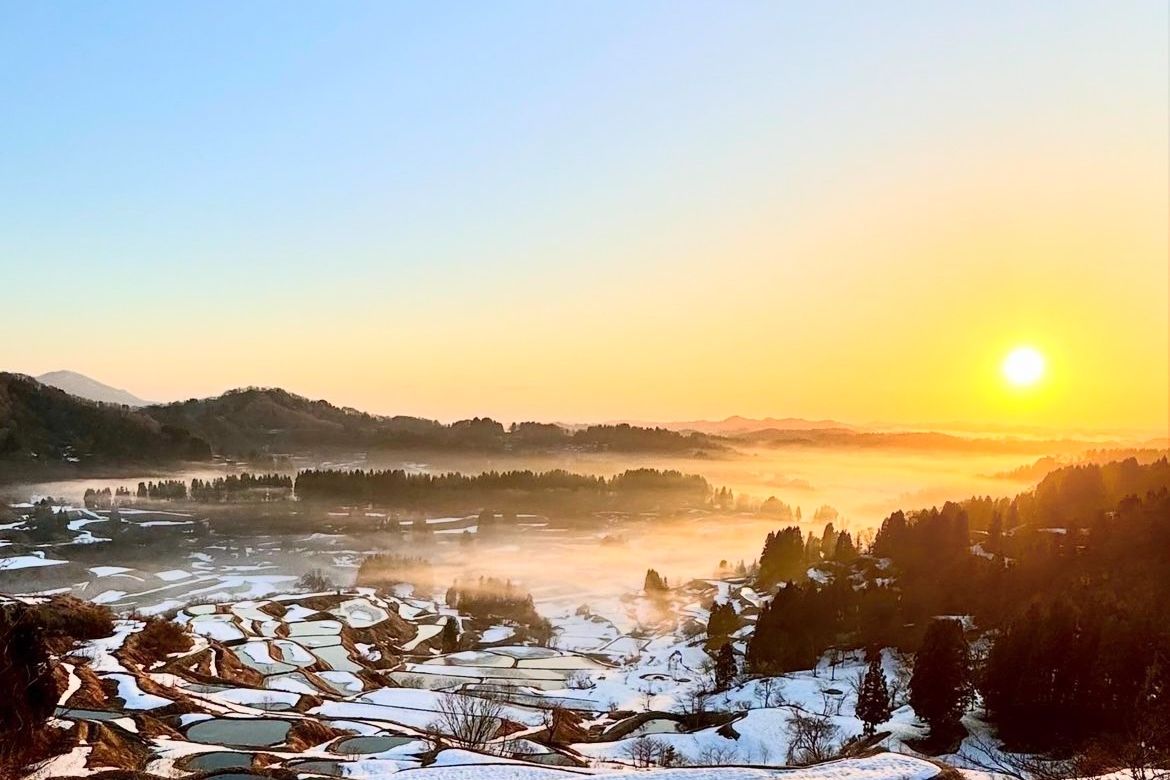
1023 367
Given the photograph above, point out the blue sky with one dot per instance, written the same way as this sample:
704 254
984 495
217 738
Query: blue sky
490 193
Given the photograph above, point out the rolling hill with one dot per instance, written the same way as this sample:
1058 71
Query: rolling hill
274 420
43 424
271 420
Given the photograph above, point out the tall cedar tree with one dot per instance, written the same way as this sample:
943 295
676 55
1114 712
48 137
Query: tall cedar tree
782 558
941 683
725 667
450 636
873 699
723 621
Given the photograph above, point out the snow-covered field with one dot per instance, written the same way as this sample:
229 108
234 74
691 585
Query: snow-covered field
351 682
225 717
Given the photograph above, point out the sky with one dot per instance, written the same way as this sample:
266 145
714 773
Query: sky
594 211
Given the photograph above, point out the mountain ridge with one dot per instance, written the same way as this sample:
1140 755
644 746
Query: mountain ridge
86 387
738 424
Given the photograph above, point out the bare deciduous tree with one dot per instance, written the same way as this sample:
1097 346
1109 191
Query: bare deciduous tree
469 721
716 755
811 739
768 692
643 752
900 682
982 752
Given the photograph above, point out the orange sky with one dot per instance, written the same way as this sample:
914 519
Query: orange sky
772 211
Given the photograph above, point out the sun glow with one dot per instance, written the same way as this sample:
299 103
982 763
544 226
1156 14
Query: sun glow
1023 367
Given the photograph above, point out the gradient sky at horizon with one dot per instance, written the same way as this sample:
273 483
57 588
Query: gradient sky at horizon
589 211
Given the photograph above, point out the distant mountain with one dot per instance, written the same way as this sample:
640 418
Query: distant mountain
43 424
924 441
84 387
738 425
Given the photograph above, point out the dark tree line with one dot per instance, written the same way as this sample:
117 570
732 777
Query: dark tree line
105 498
165 490
233 486
504 489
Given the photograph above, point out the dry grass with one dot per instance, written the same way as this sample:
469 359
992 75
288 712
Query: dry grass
306 734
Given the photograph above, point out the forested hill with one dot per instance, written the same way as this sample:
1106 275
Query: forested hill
1067 587
41 424
245 421
1072 497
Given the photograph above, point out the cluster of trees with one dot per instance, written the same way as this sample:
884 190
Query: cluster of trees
507 489
1092 644
164 490
722 622
632 438
777 509
493 599
1070 497
233 486
387 569
104 498
788 554
45 525
802 621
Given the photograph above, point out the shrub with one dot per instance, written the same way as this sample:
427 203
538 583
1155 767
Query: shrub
71 619
159 638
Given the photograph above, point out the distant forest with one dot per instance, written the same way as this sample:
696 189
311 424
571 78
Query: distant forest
508 490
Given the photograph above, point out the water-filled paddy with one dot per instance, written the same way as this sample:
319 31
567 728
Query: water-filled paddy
240 732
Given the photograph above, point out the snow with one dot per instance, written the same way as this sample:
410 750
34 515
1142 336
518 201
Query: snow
360 613
219 630
135 697
71 764
424 633
496 634
473 766
656 671
347 682
30 561
173 575
294 682
100 652
71 687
